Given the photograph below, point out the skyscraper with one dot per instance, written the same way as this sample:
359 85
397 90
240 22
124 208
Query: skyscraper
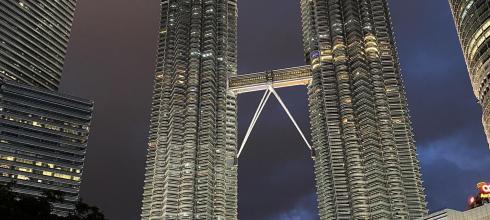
472 18
190 170
43 134
34 37
366 164
361 129
43 140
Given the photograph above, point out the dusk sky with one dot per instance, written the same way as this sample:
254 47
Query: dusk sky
111 61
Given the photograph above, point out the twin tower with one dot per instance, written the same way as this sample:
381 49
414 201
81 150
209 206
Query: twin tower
363 148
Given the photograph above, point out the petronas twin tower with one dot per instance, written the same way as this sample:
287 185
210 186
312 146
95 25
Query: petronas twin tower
366 165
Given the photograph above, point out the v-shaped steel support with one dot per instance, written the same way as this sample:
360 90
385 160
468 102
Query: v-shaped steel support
270 90
262 103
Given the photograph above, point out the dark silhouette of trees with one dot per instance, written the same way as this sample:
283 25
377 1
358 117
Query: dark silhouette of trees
14 206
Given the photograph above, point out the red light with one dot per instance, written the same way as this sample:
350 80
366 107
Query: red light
483 187
486 188
472 200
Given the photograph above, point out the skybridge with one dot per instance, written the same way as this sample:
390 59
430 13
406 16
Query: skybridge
269 81
279 78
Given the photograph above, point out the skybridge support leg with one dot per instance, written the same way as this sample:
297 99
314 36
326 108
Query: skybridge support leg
270 90
290 116
262 103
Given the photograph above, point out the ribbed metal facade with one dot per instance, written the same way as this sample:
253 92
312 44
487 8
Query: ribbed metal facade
43 140
366 164
190 171
33 40
472 18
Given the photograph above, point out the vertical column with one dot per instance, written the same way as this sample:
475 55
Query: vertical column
352 143
324 184
232 121
398 109
188 165
155 179
208 111
228 115
325 116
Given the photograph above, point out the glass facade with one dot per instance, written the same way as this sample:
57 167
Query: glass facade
43 140
472 18
365 157
43 134
34 37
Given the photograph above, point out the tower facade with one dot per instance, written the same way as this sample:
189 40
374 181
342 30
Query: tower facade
190 172
472 18
43 141
43 134
366 165
34 38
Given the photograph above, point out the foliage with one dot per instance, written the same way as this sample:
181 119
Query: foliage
15 206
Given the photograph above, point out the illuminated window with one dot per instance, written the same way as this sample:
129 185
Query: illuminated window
479 38
343 76
346 101
9 158
22 177
22 4
315 66
62 176
23 169
466 9
35 123
371 45
21 160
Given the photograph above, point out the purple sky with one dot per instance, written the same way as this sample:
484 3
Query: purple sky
111 60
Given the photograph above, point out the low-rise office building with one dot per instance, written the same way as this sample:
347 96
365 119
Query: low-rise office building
479 213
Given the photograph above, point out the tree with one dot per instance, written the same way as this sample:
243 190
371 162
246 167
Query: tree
14 206
86 212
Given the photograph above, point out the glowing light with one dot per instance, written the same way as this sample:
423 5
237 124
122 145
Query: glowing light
486 188
483 187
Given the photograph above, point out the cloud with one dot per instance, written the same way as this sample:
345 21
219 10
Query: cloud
436 78
451 167
466 154
301 211
267 188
